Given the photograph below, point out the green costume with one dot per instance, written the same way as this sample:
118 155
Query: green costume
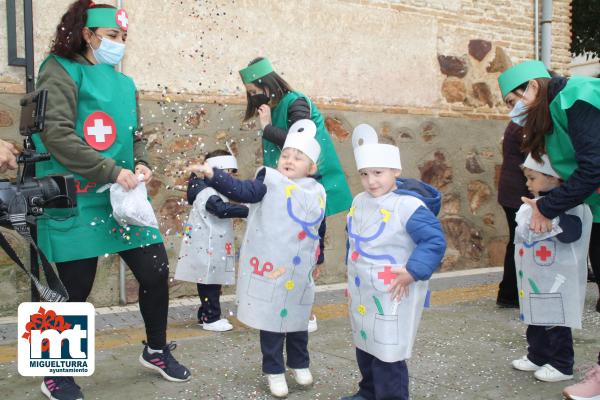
339 197
106 119
333 179
558 142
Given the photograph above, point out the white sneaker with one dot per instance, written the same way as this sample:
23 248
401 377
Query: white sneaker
548 373
312 324
523 364
221 325
302 376
278 385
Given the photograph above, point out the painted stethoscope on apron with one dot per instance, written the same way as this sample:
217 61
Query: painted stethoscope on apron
359 239
306 225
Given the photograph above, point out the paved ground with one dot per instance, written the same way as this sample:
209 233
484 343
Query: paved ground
463 351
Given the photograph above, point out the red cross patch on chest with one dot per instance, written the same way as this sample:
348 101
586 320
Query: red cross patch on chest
544 252
99 130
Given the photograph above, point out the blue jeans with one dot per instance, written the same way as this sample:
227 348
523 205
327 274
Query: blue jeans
551 345
382 380
271 346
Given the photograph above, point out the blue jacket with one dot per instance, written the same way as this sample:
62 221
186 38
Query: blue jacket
424 229
214 204
252 191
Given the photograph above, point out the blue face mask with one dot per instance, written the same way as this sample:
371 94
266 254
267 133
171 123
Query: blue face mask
109 52
519 112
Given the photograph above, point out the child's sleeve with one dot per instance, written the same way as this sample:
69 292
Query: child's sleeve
195 186
571 228
247 191
426 231
221 209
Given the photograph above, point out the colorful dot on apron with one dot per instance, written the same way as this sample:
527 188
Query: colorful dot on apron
363 334
283 313
521 294
296 260
289 285
521 273
521 317
362 310
354 255
521 252
301 235
357 281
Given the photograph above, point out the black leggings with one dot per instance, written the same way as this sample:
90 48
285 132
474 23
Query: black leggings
507 291
150 266
595 251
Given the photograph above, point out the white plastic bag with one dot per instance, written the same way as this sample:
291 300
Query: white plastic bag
524 234
132 207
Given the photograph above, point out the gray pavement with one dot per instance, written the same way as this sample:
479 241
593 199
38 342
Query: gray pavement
463 351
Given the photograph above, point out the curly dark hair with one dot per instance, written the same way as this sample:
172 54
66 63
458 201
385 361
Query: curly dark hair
68 41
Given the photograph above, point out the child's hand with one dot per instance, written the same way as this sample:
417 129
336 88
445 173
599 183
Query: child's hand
204 170
316 272
399 286
264 115
538 223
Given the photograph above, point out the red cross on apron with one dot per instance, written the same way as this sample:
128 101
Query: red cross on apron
544 252
99 130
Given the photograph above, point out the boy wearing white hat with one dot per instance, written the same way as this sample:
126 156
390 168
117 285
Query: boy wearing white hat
551 278
395 244
275 287
207 253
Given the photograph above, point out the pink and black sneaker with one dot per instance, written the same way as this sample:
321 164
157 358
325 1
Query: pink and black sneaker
165 363
61 388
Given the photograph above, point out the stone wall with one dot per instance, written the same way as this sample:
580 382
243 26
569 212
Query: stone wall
422 72
459 156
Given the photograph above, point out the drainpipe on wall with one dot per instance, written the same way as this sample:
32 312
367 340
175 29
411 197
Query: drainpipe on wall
547 32
122 289
536 29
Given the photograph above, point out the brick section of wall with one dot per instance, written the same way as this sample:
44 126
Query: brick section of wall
508 23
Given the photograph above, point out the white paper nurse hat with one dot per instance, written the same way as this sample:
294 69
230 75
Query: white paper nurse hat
223 162
301 136
369 153
544 167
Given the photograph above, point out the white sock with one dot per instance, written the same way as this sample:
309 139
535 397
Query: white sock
152 351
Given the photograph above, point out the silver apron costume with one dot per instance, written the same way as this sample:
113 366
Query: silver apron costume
551 275
275 289
207 253
376 228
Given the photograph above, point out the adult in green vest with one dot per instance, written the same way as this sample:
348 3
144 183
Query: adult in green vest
92 132
278 107
561 117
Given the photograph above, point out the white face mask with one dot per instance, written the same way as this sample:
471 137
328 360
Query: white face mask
519 112
109 52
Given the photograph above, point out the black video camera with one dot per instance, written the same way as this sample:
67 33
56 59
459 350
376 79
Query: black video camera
29 195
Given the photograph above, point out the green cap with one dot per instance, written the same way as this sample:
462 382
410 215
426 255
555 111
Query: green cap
107 18
517 75
256 71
